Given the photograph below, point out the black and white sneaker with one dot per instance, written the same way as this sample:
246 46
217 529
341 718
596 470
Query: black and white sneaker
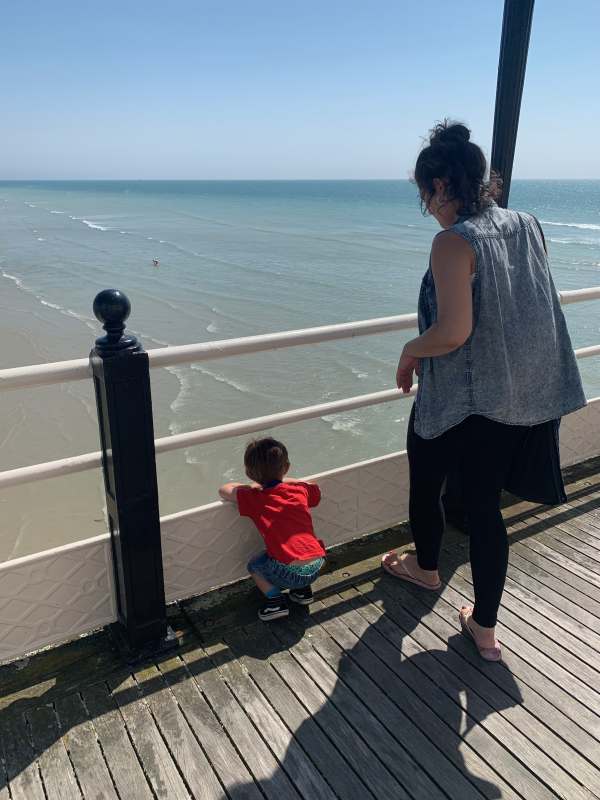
274 609
303 596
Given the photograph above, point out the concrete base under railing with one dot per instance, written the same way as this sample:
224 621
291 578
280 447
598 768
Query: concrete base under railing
59 594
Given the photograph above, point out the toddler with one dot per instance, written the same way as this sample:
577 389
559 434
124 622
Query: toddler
280 510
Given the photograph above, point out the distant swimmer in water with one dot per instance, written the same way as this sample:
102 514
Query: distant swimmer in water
155 262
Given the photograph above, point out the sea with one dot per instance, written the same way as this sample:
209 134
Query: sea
235 258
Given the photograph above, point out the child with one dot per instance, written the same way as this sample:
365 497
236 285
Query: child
280 511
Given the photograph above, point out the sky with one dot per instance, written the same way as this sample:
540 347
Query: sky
282 89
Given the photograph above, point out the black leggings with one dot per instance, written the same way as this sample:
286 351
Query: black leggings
482 450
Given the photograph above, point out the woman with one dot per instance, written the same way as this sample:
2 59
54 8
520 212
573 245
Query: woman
494 358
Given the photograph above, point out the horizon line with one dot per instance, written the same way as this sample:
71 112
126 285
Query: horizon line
250 180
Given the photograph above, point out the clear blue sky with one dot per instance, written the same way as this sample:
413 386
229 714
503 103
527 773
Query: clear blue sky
282 88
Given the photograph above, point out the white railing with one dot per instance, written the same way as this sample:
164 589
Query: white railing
59 372
55 595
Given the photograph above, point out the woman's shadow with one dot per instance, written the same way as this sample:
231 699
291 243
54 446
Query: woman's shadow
393 712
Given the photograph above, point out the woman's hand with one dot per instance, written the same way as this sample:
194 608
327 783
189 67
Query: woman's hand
404 374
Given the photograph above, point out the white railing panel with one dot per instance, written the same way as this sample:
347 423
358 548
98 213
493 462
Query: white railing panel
580 434
54 596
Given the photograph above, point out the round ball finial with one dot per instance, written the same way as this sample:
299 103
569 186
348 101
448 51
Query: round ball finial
111 308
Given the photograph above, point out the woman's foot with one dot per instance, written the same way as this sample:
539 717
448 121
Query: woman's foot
484 639
406 567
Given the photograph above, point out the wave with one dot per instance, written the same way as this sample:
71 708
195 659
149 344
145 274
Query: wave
587 242
212 328
584 226
57 212
40 239
94 226
239 387
67 312
345 423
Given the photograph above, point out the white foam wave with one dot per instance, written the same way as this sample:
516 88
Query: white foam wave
239 387
40 239
212 328
67 312
31 205
584 226
359 373
94 226
57 212
346 423
186 386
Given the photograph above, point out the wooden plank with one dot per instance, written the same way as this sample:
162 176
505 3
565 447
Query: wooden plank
183 746
555 608
57 773
588 595
534 577
514 731
514 639
564 533
223 756
421 700
152 751
293 759
553 548
254 653
81 742
364 705
19 758
121 758
264 767
572 654
346 739
522 685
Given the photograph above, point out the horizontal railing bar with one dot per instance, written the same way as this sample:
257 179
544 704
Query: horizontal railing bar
68 466
79 369
579 295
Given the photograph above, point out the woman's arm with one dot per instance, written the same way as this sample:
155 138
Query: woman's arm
452 265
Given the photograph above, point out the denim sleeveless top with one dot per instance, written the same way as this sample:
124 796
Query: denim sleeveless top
518 365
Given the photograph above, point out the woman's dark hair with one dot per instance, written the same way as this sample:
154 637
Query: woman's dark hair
266 460
454 159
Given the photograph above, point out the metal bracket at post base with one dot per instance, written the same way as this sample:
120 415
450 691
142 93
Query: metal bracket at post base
151 649
121 375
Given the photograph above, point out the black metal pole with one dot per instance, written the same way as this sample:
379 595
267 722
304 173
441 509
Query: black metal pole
514 46
122 384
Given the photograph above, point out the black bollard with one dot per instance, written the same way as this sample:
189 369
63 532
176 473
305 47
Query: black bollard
122 384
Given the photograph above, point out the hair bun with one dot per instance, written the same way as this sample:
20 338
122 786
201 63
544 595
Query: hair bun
449 133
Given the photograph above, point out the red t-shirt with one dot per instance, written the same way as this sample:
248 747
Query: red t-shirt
283 519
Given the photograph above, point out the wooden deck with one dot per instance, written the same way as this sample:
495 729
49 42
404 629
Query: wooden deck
373 694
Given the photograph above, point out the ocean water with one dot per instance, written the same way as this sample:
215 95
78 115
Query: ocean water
242 258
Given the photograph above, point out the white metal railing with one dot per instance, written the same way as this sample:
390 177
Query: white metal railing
59 372
79 369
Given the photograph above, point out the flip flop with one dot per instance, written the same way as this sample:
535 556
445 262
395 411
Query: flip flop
404 575
487 653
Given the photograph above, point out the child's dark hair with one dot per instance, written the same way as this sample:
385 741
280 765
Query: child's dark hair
266 460
460 163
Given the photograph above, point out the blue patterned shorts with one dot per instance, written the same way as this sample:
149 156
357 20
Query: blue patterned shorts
285 576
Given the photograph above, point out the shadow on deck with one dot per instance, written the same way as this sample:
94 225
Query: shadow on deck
373 694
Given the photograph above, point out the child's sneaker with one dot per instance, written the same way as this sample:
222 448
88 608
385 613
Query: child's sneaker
303 596
275 608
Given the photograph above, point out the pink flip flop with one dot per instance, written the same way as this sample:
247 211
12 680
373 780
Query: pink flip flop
487 653
404 575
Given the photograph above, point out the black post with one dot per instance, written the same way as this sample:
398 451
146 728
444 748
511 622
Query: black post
514 45
122 384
